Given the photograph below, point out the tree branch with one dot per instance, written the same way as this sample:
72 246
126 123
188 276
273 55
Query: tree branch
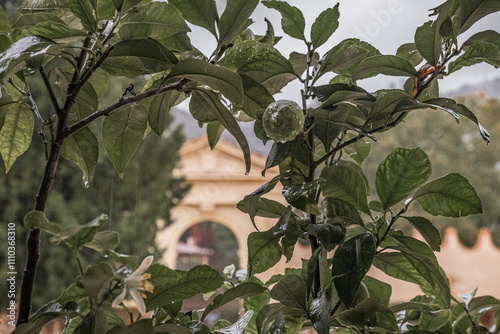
52 95
122 102
33 240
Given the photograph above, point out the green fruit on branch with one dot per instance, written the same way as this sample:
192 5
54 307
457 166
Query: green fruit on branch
283 120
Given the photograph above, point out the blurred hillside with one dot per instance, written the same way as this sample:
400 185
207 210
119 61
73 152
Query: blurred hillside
490 88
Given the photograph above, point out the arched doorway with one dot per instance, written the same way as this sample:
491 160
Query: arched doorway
207 243
212 244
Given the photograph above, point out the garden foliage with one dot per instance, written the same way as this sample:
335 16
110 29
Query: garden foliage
78 47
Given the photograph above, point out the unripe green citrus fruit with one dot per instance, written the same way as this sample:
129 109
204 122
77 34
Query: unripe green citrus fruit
283 120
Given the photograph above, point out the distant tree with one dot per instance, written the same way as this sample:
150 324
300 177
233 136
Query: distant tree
148 191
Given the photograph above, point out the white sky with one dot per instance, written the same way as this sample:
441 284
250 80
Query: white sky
386 24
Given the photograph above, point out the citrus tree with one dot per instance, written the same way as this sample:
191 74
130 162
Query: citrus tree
78 47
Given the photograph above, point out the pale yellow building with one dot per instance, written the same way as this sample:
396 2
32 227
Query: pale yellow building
219 182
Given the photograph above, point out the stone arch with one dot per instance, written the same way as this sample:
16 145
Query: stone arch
170 236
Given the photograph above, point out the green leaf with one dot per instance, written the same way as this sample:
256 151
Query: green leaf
329 233
421 259
84 10
400 174
427 230
129 67
5 43
302 196
320 311
105 9
266 208
16 133
200 108
122 132
378 290
144 326
270 69
179 42
241 291
4 22
96 280
43 316
240 53
238 327
433 320
449 196
235 19
473 10
327 92
324 26
370 313
226 118
428 42
410 52
159 107
482 304
78 235
269 37
219 78
129 260
82 148
359 151
292 19
74 293
487 36
161 275
478 52
104 241
344 57
37 219
388 105
277 154
86 102
290 291
11 90
449 104
264 250
345 183
299 61
99 81
328 124
28 20
202 13
256 97
397 265
341 211
351 262
214 131
153 55
157 20
198 280
384 64
55 30
271 318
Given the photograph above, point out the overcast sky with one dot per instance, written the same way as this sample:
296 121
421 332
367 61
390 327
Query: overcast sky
386 24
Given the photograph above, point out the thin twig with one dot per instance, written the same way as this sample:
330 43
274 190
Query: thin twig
52 95
120 103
